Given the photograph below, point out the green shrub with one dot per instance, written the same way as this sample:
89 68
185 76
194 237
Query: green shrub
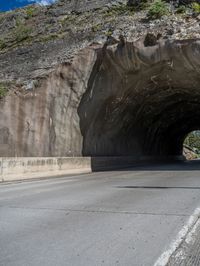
22 33
49 37
181 9
30 11
157 9
1 18
138 5
2 44
109 33
196 7
119 10
3 90
96 27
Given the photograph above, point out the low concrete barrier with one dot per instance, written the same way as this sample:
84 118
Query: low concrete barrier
18 168
26 168
113 163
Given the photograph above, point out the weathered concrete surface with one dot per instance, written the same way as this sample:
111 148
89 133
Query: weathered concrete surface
44 122
126 99
115 218
27 168
188 253
18 168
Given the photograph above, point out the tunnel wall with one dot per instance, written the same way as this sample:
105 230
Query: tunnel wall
125 99
141 100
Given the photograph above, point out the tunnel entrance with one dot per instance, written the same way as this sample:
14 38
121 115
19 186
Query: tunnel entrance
114 99
191 145
142 101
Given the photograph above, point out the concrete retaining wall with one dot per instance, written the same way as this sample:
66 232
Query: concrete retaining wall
18 168
113 163
27 168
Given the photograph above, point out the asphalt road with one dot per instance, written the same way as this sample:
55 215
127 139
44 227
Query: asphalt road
112 218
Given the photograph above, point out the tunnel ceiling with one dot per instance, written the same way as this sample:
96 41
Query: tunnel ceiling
141 100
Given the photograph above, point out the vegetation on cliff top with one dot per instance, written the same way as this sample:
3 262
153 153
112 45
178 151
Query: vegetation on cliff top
158 9
3 90
42 24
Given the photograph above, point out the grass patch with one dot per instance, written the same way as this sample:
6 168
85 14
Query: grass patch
181 9
3 90
21 32
196 7
109 33
49 37
2 17
96 28
31 12
2 44
157 9
119 10
69 19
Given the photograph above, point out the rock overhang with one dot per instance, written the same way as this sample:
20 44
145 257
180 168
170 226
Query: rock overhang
142 100
124 99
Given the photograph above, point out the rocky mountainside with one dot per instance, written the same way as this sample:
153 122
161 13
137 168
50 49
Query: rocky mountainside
36 39
189 153
65 68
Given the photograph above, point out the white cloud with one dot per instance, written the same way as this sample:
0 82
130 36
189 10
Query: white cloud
45 2
42 2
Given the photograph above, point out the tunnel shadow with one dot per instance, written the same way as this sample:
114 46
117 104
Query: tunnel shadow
99 164
141 102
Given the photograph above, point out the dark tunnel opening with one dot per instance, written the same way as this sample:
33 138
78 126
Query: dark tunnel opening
138 107
156 127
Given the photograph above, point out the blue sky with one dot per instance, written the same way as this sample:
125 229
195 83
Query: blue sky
12 4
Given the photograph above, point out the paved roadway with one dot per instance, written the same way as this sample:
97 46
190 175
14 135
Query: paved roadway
111 218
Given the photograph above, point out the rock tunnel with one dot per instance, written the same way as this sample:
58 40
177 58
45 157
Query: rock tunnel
142 100
135 99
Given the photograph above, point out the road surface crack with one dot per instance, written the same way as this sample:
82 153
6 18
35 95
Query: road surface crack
95 211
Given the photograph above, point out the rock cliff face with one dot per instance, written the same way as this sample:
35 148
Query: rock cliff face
35 40
128 98
44 121
72 85
189 153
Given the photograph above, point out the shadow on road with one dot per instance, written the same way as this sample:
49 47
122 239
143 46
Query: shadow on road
156 187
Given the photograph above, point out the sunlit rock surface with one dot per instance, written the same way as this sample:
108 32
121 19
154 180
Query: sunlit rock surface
128 98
